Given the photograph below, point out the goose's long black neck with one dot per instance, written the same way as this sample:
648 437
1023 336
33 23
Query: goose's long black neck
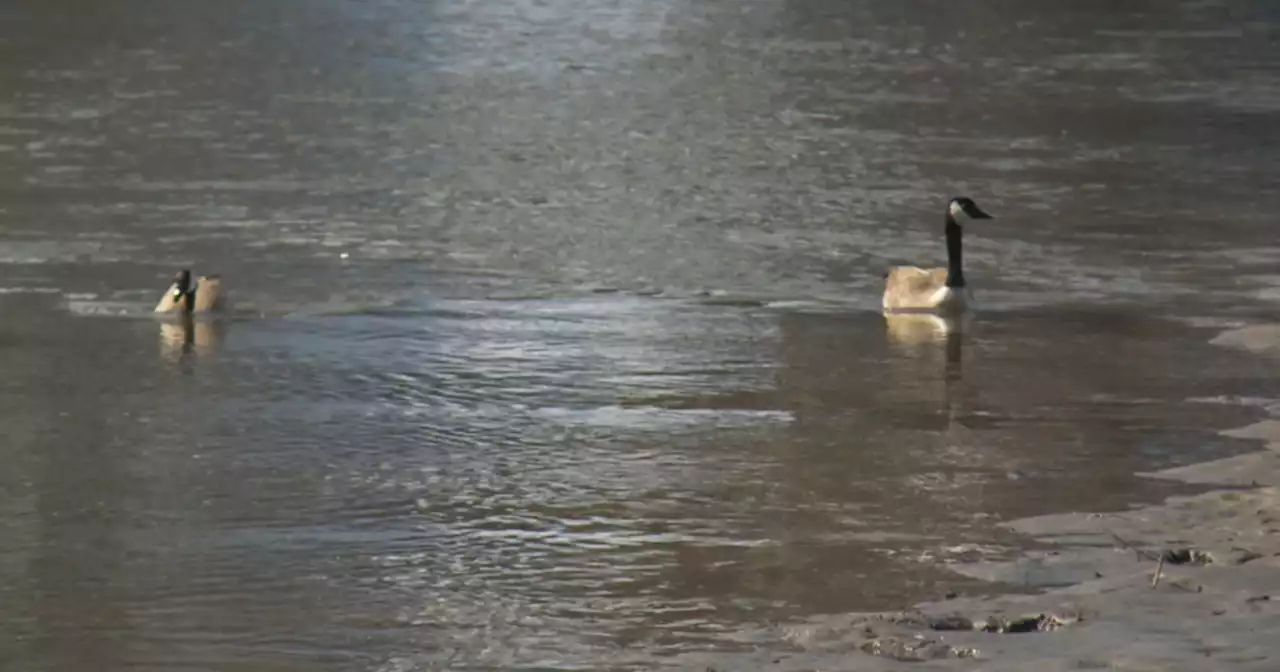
955 271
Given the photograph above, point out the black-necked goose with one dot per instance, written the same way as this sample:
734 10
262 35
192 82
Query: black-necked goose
935 290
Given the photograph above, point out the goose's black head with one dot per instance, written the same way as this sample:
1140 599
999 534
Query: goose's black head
961 208
181 284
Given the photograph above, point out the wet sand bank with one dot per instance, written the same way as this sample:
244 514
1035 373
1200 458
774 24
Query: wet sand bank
1189 584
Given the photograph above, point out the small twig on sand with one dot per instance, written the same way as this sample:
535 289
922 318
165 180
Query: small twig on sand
1155 580
1137 551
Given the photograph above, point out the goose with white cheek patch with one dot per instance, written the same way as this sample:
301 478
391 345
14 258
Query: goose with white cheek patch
940 291
184 299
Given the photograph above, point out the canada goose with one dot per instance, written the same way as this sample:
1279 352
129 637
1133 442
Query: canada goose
935 290
181 297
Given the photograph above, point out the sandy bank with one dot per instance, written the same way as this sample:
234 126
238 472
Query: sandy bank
1215 605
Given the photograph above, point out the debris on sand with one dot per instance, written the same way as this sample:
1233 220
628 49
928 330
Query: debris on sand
914 650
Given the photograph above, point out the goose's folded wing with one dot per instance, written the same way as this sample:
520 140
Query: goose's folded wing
913 280
209 296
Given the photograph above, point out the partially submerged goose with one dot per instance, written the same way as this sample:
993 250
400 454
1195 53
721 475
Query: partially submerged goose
181 297
935 290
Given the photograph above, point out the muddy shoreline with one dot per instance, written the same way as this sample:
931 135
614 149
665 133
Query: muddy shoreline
1189 584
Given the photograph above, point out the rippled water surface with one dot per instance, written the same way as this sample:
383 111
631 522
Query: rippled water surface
556 340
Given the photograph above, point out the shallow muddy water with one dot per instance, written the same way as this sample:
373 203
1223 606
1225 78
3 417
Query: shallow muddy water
557 342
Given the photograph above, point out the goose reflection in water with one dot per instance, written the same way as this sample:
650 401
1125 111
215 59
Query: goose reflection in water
907 331
918 340
189 335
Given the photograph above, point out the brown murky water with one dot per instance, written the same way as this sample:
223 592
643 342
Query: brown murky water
557 343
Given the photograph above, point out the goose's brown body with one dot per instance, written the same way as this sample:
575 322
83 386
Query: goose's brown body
914 289
206 297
